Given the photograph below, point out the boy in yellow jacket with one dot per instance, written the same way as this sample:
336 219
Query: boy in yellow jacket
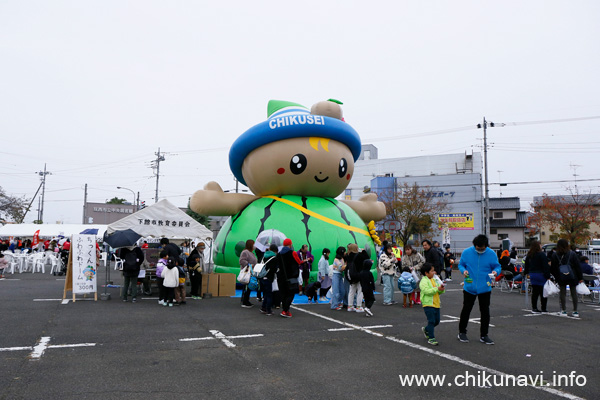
431 288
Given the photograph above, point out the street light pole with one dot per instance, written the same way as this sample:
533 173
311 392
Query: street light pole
132 192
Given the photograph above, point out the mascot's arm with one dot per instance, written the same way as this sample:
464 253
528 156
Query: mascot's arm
213 201
367 207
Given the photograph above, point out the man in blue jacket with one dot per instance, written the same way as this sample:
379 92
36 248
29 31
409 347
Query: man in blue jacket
476 264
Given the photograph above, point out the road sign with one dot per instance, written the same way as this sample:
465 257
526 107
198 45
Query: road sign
392 225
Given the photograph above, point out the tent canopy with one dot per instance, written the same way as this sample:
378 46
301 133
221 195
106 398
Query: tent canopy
162 219
47 230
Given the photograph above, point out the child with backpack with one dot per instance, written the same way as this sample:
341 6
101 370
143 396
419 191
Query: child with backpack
431 288
407 285
170 276
180 289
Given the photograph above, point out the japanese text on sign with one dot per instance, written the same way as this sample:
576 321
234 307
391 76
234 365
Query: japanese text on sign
457 221
84 263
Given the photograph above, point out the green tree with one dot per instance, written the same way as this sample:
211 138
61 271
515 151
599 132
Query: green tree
415 207
11 207
116 200
203 219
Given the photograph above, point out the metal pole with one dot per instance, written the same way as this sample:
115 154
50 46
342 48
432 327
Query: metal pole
84 202
487 189
132 192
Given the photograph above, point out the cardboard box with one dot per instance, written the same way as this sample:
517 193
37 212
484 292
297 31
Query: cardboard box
226 285
210 284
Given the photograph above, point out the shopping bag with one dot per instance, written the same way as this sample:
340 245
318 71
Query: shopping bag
582 289
275 286
550 288
244 276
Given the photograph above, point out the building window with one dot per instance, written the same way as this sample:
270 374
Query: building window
502 236
493 231
498 215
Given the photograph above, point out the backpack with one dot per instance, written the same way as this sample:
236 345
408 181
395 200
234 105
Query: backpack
565 271
130 261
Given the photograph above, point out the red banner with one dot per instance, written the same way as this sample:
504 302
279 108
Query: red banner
36 239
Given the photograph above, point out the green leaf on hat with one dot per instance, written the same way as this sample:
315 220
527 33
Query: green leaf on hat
276 105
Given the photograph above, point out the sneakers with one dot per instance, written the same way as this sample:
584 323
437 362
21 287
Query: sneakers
486 339
263 311
165 304
269 314
134 300
448 279
286 314
575 314
322 298
170 304
536 311
351 309
161 302
387 304
338 308
425 333
125 300
463 337
359 309
562 313
433 342
368 312
249 305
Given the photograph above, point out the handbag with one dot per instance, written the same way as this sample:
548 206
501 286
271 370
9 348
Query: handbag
253 283
244 276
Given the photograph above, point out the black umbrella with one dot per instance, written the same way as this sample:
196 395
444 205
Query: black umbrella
121 238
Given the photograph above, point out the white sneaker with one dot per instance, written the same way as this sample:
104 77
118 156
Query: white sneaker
359 309
368 312
351 308
449 280
160 302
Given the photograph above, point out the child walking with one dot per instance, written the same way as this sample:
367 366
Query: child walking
407 285
431 288
367 284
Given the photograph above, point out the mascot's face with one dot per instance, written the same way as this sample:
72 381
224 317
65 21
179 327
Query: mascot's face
301 166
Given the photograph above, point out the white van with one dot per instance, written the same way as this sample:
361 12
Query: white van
594 245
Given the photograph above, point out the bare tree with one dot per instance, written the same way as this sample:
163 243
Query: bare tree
12 208
415 207
571 215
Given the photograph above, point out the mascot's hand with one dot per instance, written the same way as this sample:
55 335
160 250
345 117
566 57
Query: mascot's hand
367 207
213 201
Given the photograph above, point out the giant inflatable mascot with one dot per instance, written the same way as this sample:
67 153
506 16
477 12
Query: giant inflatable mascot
295 163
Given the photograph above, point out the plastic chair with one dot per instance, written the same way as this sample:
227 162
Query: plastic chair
37 263
118 263
12 262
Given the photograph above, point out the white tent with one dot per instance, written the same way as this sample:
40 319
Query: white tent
48 230
162 219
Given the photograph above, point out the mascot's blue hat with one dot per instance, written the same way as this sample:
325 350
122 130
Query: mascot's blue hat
288 120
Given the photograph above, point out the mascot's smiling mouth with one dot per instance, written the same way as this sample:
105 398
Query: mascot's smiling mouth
321 180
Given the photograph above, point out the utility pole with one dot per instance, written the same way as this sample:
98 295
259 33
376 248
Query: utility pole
43 175
486 222
156 165
84 202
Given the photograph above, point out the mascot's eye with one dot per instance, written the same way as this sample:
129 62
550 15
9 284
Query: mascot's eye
298 164
343 167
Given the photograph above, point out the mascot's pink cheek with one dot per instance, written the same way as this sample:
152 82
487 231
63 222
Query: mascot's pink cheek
348 177
281 171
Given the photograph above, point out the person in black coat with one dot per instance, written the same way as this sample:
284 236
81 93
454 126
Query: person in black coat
564 255
433 256
287 276
172 249
132 260
367 284
538 269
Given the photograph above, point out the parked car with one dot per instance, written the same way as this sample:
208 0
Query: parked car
549 246
594 245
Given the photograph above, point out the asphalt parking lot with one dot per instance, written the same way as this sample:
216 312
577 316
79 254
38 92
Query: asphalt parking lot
50 349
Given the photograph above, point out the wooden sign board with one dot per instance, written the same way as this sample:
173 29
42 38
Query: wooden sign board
81 269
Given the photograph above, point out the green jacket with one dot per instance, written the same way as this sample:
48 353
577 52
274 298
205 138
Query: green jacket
428 291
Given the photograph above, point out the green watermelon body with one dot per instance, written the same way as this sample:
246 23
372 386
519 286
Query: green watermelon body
318 222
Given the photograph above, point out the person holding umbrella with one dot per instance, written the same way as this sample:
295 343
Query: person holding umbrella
132 257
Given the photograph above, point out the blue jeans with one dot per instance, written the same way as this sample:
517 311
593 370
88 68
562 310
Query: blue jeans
388 288
337 290
346 292
267 291
433 320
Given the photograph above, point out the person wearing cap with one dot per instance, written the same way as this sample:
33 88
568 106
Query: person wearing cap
287 276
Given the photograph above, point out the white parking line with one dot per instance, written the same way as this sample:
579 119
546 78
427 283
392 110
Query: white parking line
223 338
47 299
436 353
368 327
457 319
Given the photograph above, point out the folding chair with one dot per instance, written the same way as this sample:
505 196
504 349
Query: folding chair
118 263
506 282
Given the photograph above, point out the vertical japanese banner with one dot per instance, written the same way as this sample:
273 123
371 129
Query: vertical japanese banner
36 239
83 253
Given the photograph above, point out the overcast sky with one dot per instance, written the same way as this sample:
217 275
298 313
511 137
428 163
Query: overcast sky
94 88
